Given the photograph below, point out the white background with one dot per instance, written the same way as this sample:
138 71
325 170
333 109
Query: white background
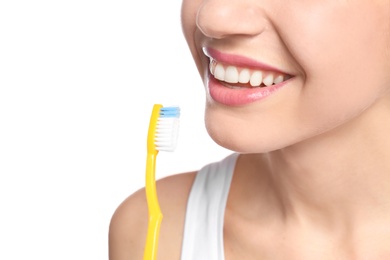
78 80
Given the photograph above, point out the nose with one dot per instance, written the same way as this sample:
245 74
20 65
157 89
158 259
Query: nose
221 18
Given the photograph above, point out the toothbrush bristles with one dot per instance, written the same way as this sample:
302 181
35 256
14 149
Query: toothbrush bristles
167 129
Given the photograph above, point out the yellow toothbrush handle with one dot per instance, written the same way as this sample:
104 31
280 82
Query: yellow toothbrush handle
155 215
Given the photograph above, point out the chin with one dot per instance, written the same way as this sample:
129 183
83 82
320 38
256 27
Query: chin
246 143
247 132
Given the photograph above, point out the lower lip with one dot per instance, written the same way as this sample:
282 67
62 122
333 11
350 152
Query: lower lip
240 96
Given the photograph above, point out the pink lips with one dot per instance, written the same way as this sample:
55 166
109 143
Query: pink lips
238 96
242 96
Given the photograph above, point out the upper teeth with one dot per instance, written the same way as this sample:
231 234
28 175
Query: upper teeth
233 74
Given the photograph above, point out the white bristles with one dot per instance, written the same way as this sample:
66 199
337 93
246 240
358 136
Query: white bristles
167 131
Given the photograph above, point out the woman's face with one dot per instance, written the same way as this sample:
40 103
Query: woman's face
286 71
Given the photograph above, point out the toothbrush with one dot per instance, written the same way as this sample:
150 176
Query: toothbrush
162 136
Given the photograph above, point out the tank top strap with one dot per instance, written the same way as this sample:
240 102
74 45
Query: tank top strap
203 228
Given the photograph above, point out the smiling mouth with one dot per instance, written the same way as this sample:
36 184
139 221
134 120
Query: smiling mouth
238 77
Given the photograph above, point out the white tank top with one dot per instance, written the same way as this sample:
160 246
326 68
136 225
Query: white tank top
203 228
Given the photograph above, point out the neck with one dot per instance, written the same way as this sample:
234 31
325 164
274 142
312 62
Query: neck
339 177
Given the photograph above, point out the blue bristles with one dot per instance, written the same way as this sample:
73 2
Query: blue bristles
170 112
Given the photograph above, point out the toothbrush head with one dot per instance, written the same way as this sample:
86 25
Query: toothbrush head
163 128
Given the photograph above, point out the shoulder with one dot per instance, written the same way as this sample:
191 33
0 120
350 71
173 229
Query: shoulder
128 225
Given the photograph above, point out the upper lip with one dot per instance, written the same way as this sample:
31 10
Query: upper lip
240 61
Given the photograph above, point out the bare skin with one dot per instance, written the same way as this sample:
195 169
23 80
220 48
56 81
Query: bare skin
313 177
128 226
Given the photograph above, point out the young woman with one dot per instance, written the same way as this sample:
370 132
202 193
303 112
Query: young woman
299 91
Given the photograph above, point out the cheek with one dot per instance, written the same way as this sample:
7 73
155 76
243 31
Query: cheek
338 35
345 58
189 11
188 15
